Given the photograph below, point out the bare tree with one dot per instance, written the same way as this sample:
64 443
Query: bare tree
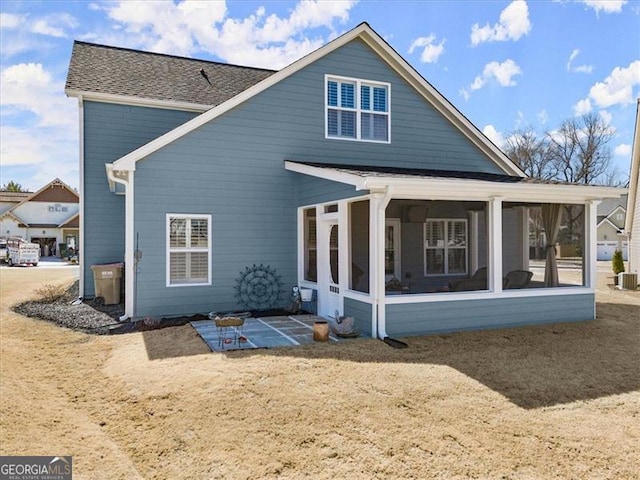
580 153
531 153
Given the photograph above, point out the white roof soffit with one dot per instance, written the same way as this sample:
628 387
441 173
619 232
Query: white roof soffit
439 188
373 40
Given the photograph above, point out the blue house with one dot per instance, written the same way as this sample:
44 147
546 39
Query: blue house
346 173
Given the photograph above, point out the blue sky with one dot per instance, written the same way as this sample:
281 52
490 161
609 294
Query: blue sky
505 65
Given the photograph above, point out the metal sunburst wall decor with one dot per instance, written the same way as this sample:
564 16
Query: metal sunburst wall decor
259 287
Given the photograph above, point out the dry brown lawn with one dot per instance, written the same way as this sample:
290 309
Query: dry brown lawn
559 401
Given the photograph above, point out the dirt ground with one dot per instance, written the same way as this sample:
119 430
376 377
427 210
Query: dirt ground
559 401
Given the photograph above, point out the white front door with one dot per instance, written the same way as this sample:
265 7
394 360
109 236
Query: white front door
329 297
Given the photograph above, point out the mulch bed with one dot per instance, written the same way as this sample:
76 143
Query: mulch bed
92 316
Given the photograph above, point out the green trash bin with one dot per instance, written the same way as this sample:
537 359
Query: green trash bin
106 278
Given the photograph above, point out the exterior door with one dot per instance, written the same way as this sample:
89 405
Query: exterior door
329 296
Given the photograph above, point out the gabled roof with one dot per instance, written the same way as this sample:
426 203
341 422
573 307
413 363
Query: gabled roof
41 195
72 222
10 214
98 70
634 177
610 205
365 33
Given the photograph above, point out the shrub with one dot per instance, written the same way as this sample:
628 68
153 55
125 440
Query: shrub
617 263
50 293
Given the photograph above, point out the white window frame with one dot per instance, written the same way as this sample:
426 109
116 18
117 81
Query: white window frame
358 108
445 247
169 249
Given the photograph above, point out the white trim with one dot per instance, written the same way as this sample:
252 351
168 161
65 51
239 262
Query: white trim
634 182
474 252
438 188
395 61
485 295
169 249
590 275
81 230
495 246
137 101
358 82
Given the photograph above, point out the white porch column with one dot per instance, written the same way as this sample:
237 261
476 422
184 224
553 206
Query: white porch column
378 203
591 244
524 231
495 244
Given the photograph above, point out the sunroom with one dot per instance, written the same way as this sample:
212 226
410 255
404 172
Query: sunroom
412 251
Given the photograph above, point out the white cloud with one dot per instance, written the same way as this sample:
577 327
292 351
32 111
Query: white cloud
262 40
431 51
494 135
10 20
543 117
513 24
606 116
617 88
624 150
54 25
28 87
582 107
606 6
503 73
579 68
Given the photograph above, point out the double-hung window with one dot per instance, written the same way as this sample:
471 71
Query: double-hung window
357 109
445 243
188 249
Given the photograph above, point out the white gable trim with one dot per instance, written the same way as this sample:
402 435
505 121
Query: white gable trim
634 177
602 222
373 40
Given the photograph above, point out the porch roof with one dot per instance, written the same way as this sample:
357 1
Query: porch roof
453 185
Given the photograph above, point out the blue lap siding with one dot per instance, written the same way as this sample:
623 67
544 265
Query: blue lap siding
449 316
111 131
233 169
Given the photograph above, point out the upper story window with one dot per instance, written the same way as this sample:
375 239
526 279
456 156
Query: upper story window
357 109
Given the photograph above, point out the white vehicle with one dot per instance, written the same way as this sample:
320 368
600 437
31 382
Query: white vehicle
21 252
3 249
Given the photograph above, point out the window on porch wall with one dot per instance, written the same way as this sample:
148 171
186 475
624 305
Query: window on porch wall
526 243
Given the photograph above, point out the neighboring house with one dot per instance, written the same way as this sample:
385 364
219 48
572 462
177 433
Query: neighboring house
632 223
346 173
49 217
611 218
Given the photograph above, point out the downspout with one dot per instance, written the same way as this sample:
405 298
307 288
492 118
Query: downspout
379 201
125 177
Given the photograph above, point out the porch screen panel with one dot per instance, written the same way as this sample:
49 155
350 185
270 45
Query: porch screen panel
310 246
359 241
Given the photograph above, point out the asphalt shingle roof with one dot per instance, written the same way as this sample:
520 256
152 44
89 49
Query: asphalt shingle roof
134 73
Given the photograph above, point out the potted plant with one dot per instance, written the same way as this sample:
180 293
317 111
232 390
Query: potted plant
617 264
